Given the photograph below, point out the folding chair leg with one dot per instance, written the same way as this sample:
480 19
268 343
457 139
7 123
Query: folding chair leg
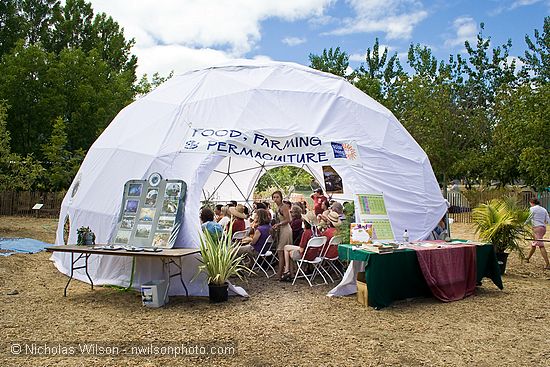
298 271
257 265
335 268
317 269
268 263
327 273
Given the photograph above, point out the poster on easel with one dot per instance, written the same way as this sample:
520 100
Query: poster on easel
372 211
151 213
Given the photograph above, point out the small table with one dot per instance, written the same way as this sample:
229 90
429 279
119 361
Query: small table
397 275
167 256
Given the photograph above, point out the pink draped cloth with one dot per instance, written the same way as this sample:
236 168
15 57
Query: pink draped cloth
450 271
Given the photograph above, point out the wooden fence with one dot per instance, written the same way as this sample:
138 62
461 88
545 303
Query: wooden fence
462 203
20 203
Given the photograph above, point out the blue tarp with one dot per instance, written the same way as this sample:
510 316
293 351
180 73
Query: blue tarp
23 245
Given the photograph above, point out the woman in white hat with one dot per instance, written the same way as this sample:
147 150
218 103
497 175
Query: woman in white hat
333 223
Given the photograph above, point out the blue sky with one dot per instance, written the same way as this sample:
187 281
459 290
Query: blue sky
181 35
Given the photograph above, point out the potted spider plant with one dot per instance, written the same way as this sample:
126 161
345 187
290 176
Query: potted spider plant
502 223
219 261
85 236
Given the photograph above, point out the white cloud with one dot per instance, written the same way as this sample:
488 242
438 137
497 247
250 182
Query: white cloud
163 59
518 63
465 29
200 30
396 18
519 3
514 5
293 41
320 21
357 57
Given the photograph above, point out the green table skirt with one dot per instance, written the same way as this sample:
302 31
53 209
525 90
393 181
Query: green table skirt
397 276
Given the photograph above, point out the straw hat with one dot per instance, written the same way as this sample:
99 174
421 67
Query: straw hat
310 217
237 211
334 218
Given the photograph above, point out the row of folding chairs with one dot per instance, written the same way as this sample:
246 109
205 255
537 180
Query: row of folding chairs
322 264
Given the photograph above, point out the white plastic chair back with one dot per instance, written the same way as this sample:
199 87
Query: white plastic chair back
334 241
238 236
315 242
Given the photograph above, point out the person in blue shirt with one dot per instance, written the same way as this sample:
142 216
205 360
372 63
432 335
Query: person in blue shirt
208 223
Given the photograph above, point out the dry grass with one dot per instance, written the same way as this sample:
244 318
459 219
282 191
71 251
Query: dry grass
280 324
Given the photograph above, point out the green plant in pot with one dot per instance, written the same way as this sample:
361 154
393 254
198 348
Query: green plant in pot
219 261
85 236
502 223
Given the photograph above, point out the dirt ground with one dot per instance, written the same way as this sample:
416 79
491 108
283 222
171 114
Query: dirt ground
279 325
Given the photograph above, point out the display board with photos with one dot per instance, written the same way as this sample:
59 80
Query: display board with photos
152 212
374 217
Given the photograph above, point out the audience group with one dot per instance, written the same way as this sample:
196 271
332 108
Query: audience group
291 226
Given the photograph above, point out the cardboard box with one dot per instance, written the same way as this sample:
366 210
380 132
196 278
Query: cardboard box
154 293
362 290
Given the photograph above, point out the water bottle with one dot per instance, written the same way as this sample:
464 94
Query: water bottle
406 237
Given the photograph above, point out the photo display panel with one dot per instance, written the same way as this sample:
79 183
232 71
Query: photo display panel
151 213
374 216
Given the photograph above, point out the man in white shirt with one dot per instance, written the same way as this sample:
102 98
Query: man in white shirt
538 216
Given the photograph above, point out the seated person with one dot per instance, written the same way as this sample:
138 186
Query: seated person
262 224
238 216
338 208
440 231
297 252
247 219
322 217
225 219
218 212
333 222
208 223
296 224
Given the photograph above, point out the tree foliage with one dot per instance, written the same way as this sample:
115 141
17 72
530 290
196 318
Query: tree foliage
16 173
65 61
476 115
61 163
331 61
284 178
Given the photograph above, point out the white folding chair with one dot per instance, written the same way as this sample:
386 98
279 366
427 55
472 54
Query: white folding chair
263 257
238 236
314 243
330 261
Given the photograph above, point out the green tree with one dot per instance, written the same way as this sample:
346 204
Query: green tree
424 104
520 145
61 164
537 56
478 79
285 178
145 86
12 25
377 75
331 61
68 62
16 173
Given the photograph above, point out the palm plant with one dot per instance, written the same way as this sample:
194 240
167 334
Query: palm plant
503 223
219 258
